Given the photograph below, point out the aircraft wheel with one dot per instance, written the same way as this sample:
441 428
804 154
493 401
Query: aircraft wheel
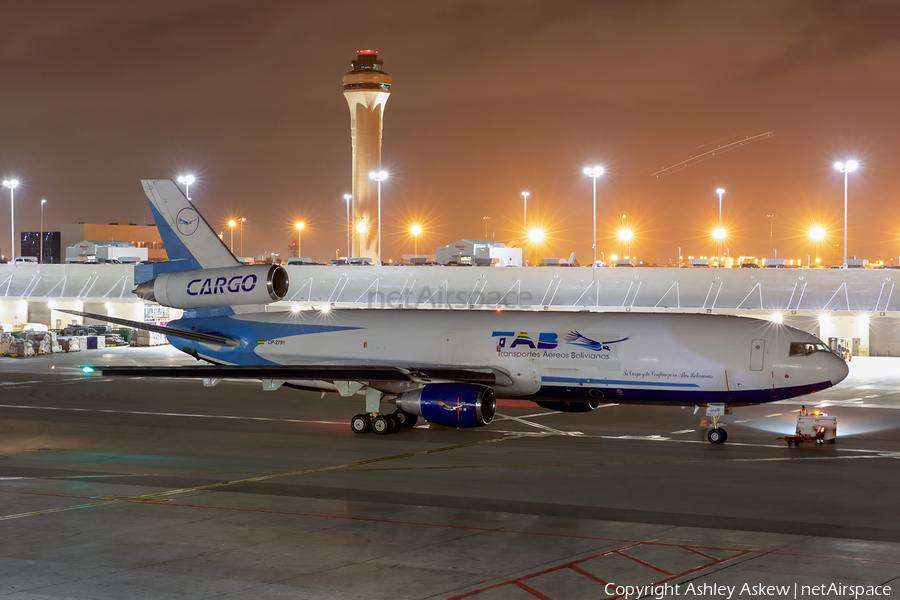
394 422
381 425
360 424
406 419
717 435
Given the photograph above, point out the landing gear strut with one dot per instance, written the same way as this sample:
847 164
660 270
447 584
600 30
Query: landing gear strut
716 435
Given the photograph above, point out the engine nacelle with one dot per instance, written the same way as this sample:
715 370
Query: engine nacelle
569 407
451 404
210 288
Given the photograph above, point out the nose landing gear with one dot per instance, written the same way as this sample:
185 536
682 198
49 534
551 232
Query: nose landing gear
716 434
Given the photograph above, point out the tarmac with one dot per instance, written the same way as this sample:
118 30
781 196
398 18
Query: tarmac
166 489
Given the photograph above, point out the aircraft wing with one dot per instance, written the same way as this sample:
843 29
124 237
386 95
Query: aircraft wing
464 374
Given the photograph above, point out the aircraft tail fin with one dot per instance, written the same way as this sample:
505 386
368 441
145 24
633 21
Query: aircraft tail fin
185 233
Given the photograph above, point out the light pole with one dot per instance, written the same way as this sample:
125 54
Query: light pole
594 173
771 217
416 230
719 230
242 236
348 198
186 180
625 235
41 257
299 227
817 234
536 236
232 224
379 176
524 225
11 184
845 168
485 219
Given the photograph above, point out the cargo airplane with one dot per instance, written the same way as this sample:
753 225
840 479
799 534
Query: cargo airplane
449 366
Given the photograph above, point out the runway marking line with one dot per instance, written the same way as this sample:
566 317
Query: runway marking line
574 566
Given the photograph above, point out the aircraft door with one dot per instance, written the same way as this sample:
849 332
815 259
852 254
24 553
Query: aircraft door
757 354
448 342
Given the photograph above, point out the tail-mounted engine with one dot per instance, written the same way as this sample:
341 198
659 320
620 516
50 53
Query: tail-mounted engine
451 404
210 288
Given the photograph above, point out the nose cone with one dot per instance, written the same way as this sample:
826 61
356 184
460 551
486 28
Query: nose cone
837 370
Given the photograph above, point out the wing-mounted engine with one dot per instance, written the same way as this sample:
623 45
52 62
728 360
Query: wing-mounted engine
569 407
451 404
210 288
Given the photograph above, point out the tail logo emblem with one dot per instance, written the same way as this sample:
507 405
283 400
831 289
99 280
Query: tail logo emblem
187 221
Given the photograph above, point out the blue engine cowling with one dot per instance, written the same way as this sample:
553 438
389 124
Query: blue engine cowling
569 407
451 404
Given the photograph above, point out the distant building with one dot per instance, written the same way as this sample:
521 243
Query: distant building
139 236
94 251
31 246
478 253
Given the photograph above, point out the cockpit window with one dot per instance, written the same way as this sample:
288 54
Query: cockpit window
805 348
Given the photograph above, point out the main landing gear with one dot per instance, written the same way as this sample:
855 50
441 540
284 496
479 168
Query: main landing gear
380 423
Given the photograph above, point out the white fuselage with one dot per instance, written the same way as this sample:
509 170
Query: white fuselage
620 357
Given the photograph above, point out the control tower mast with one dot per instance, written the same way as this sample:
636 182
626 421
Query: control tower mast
366 89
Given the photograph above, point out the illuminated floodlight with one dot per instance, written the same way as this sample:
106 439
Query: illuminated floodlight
299 226
777 317
593 171
186 181
109 306
11 183
325 309
863 319
415 229
361 227
378 175
625 235
536 235
87 369
817 233
719 233
846 167
295 308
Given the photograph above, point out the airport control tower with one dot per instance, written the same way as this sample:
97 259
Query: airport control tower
366 89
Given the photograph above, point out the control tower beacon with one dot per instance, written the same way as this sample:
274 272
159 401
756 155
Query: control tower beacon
366 88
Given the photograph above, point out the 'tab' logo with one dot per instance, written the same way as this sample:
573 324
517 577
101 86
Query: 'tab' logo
187 221
576 339
545 341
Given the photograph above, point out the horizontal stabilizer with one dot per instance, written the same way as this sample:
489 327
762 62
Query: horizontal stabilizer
197 336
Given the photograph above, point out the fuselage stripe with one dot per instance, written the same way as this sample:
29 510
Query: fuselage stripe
607 382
